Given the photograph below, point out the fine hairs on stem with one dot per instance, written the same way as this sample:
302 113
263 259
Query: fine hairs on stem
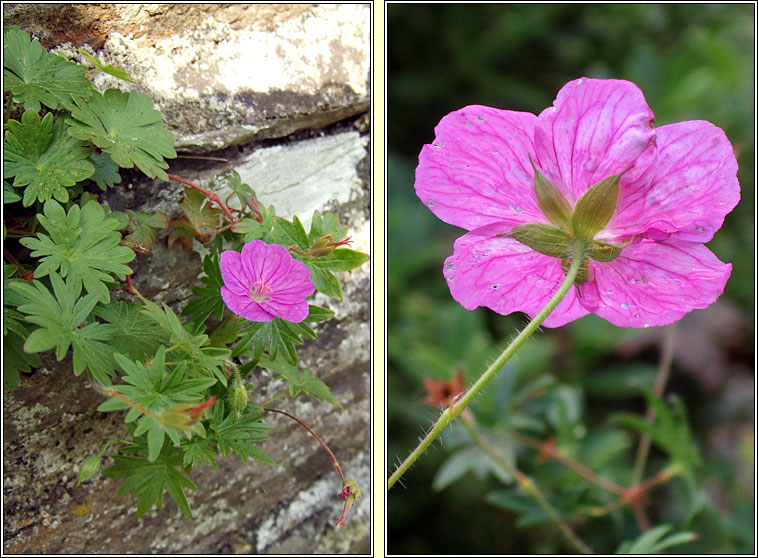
449 414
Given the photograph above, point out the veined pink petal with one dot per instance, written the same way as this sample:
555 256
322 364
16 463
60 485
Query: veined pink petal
233 273
507 276
245 307
655 283
477 170
688 190
287 309
595 129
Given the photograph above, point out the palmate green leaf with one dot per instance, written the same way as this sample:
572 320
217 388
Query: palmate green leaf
36 76
290 233
125 125
276 337
197 450
342 259
158 388
201 358
240 435
15 360
325 282
326 224
137 336
83 244
61 318
208 299
40 155
106 170
147 481
9 196
299 381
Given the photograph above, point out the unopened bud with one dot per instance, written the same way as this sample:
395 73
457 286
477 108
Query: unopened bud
326 245
185 415
322 246
238 398
89 468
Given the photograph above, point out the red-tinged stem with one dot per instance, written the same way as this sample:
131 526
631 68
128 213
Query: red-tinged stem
295 249
550 450
28 275
130 288
312 433
222 229
212 196
131 403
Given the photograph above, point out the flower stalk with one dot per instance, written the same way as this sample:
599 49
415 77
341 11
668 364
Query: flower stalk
456 407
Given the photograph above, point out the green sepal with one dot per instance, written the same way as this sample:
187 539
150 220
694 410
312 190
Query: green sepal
596 207
545 239
552 202
606 252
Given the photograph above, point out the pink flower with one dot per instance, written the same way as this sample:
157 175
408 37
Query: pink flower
514 180
265 281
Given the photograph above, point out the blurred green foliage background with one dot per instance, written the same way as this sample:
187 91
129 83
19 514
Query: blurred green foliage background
691 62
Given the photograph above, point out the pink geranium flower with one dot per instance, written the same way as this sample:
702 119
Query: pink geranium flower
516 182
265 281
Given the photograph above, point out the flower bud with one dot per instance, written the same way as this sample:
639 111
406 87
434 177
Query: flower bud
185 416
238 398
322 247
89 468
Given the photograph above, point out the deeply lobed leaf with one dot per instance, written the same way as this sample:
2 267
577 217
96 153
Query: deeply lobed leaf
36 76
125 125
83 244
40 155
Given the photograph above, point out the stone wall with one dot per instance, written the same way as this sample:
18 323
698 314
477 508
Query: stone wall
281 93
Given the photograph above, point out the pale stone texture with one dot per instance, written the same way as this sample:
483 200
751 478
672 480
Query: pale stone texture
223 76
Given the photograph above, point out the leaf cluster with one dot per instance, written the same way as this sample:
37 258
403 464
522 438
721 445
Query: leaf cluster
87 136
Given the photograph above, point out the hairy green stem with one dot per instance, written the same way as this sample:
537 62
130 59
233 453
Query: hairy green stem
455 409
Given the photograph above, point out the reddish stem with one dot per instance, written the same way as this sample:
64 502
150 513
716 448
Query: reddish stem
295 249
312 433
28 275
212 196
130 288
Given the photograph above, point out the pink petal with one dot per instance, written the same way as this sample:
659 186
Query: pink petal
690 188
254 256
507 276
245 306
296 282
595 129
655 283
286 308
233 273
477 170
